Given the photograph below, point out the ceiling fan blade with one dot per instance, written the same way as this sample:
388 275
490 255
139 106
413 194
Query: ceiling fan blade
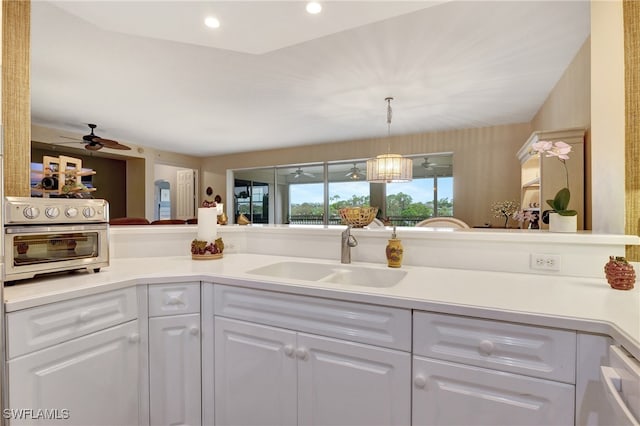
108 143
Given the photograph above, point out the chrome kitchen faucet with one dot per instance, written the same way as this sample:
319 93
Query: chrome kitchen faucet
348 241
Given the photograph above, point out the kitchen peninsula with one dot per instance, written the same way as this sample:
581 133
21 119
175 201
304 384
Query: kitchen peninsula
483 318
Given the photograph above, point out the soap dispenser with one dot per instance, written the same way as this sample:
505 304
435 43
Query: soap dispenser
394 251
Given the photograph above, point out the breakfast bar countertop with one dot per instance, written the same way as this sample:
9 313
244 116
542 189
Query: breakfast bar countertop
583 304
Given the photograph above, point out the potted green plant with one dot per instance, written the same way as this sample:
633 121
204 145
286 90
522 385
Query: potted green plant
561 219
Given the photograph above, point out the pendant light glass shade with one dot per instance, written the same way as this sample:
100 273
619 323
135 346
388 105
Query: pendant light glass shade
389 168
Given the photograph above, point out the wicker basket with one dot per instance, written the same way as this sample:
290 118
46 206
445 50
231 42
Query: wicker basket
358 217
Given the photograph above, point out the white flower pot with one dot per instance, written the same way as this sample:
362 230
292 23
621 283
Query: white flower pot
558 223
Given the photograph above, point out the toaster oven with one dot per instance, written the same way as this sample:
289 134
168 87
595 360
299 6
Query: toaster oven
44 235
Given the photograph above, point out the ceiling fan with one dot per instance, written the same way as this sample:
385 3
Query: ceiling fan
430 165
299 173
354 173
95 143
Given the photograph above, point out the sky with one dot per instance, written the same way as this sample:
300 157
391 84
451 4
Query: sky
419 189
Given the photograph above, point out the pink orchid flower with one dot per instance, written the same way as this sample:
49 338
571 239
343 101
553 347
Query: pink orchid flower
552 149
560 149
542 146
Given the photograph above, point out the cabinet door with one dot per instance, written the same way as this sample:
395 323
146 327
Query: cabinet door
94 377
345 383
174 370
454 394
255 374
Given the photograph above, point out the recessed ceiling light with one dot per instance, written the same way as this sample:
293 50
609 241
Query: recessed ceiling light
313 7
212 22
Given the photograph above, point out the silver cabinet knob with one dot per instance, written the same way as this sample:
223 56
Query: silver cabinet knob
486 347
302 354
194 330
134 338
84 316
420 381
289 350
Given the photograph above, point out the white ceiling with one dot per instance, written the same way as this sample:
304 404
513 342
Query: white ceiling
150 72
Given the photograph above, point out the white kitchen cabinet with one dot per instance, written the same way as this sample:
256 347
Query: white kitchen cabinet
266 375
447 393
175 374
255 374
473 371
174 370
346 383
546 353
93 379
32 329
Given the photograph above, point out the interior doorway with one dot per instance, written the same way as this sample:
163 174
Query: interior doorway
162 200
183 190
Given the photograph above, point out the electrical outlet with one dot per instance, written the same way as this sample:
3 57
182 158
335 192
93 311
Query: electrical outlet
545 262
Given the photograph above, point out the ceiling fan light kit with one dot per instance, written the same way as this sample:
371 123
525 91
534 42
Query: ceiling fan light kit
387 168
298 173
354 173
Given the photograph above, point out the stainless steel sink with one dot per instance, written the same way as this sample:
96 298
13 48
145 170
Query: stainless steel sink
363 276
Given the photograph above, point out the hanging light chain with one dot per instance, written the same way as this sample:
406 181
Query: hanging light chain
389 114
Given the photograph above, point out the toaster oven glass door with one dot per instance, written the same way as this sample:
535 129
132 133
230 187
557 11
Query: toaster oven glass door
45 248
32 250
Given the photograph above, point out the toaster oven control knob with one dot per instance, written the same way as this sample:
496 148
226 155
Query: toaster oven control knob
31 212
89 212
51 212
71 212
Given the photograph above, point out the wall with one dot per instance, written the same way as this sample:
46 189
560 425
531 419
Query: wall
569 103
485 166
110 179
569 106
607 117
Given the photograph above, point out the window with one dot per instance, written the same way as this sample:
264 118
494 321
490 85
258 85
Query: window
422 198
301 198
305 193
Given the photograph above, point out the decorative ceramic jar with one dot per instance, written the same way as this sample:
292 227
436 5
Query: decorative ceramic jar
559 223
394 253
620 274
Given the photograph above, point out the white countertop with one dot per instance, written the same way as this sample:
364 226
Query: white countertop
584 304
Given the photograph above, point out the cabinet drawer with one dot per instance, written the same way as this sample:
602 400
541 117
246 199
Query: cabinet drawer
533 351
172 299
31 329
357 322
445 393
94 377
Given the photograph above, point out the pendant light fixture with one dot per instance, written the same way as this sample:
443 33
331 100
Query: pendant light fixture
387 168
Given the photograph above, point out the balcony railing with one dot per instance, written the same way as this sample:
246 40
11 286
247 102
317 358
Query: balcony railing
304 219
